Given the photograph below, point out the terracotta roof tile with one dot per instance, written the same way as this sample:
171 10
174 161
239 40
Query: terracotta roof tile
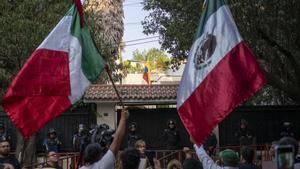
132 93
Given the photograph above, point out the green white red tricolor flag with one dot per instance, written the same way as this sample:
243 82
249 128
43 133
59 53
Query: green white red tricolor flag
221 73
55 76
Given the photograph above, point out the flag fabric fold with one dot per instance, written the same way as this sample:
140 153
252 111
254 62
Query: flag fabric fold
221 73
55 76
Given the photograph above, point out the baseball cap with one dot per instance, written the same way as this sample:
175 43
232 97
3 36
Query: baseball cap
229 157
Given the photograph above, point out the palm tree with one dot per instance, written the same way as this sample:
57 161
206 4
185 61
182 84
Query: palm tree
106 24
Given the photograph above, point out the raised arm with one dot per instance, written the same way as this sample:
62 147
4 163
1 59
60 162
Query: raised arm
120 132
206 161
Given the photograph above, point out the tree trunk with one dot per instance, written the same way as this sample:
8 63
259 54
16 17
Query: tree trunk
105 18
26 150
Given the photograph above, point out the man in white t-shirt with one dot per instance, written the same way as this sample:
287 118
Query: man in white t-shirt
228 159
92 153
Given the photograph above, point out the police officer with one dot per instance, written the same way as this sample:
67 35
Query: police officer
3 133
81 139
244 135
51 143
287 130
133 135
171 136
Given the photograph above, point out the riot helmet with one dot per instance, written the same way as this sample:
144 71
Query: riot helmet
171 124
52 133
132 126
243 124
2 127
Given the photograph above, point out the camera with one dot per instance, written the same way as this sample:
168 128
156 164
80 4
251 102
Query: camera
102 134
284 155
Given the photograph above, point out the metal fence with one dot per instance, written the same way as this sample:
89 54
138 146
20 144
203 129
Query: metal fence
69 160
66 126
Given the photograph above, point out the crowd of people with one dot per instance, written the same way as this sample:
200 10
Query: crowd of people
98 149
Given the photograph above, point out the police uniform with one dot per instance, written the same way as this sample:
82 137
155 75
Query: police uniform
51 144
171 136
133 136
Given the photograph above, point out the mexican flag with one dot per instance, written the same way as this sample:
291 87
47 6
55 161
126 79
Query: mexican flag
220 74
55 76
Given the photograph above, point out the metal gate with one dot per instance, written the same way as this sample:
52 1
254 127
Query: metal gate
151 124
265 122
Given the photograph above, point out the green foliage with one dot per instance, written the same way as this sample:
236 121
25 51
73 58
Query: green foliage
175 21
155 58
271 28
24 24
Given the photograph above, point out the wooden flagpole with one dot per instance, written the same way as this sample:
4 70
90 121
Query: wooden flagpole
79 7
